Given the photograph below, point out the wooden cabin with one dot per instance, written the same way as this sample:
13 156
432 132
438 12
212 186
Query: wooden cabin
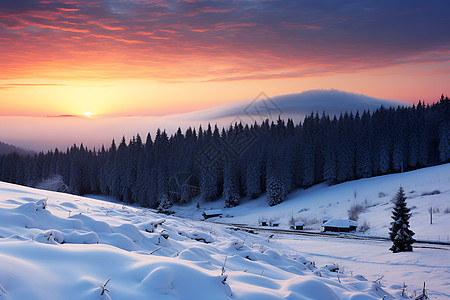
212 213
339 225
298 226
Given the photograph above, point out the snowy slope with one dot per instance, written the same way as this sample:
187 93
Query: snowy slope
68 249
375 194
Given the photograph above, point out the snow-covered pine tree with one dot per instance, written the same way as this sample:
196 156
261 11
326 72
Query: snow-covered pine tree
423 136
253 173
329 154
230 188
307 153
400 234
413 141
345 152
399 140
208 182
76 177
275 190
444 142
381 149
365 164
161 151
102 172
276 179
113 171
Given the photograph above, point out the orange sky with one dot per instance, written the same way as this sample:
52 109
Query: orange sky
150 97
148 58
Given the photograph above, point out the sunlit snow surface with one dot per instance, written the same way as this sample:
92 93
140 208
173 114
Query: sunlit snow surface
71 248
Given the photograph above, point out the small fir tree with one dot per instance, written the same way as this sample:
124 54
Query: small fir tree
164 205
400 234
230 189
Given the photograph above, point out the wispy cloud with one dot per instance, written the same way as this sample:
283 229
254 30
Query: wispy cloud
65 116
22 85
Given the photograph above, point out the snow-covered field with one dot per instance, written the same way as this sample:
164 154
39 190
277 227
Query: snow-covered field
74 245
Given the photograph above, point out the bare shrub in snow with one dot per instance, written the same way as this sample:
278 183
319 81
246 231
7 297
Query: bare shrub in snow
364 226
292 221
103 287
309 223
272 221
54 183
435 192
381 195
238 244
404 289
262 220
447 210
41 204
423 295
355 210
223 267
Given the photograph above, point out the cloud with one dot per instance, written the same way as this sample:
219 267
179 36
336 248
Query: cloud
22 85
65 116
217 40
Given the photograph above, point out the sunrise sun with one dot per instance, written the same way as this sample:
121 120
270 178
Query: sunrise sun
87 114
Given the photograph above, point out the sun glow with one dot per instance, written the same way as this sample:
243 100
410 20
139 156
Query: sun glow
87 114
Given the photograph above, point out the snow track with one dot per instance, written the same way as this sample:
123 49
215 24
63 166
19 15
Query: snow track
253 229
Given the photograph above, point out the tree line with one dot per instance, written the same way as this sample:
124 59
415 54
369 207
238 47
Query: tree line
243 160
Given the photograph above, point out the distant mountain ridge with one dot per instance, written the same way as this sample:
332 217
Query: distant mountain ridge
7 149
331 101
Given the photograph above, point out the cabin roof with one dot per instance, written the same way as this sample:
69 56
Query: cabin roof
340 223
213 212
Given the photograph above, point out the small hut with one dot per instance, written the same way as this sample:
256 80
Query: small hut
340 225
264 222
276 224
212 213
298 226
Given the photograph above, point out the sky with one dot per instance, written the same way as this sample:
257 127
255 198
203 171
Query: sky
155 58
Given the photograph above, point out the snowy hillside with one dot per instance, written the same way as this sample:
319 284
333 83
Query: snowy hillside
424 188
67 247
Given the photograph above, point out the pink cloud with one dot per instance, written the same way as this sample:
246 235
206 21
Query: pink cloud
181 40
68 9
